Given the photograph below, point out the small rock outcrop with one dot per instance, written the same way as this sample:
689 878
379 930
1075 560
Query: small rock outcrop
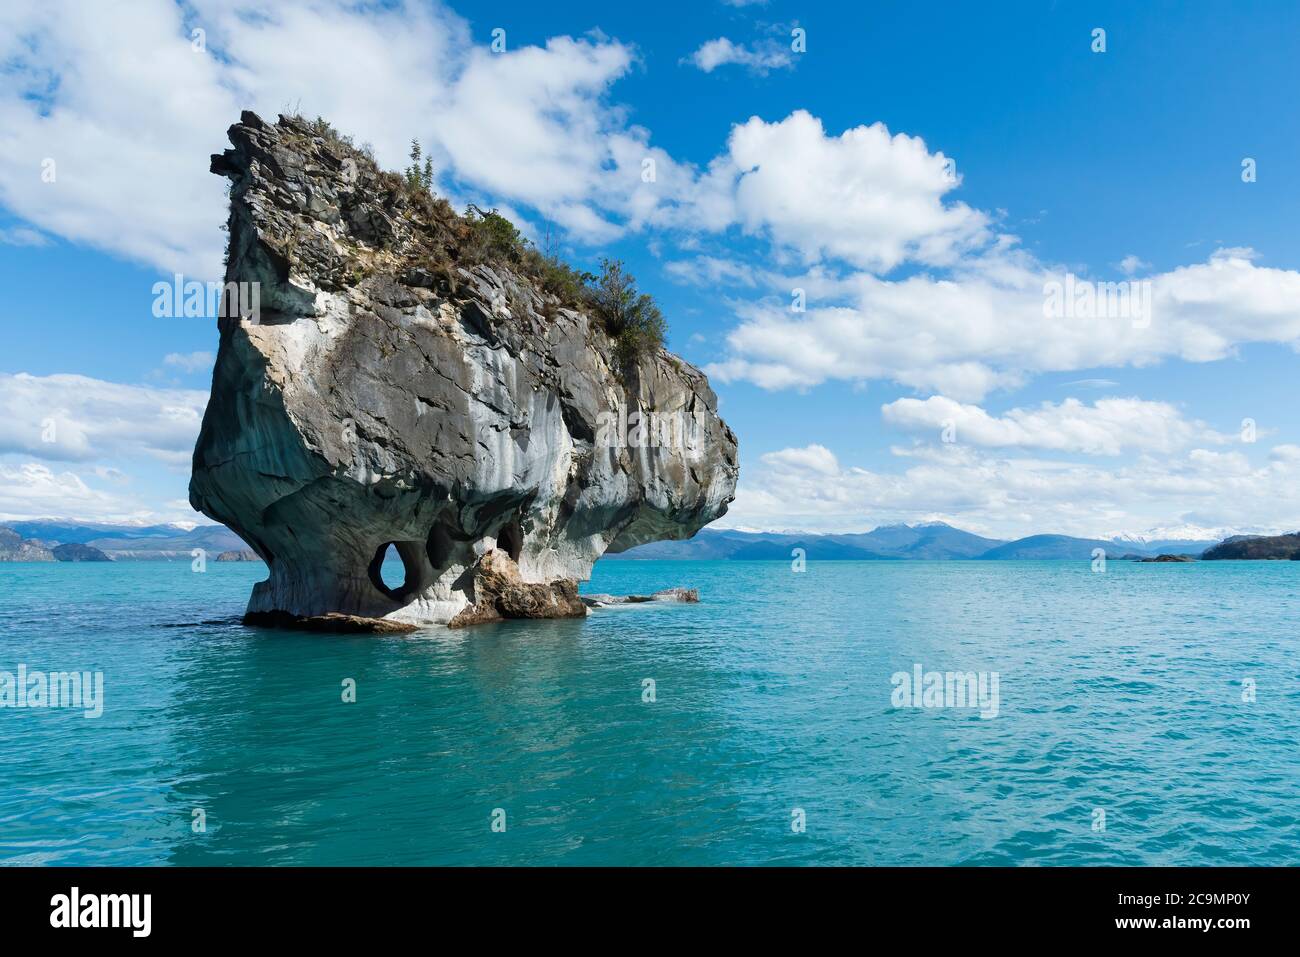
685 595
395 387
239 555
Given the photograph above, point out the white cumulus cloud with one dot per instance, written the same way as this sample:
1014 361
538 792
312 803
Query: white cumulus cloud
760 58
77 418
93 149
869 197
32 490
1107 427
1012 495
983 327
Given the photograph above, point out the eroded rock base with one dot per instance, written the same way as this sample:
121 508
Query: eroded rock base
501 593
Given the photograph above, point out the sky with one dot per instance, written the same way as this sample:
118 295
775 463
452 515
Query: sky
1023 267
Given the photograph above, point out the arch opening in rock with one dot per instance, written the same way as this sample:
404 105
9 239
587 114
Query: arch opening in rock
388 565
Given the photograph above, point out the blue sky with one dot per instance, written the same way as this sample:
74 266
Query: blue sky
821 170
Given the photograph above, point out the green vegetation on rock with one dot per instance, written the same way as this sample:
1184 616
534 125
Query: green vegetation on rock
445 241
631 318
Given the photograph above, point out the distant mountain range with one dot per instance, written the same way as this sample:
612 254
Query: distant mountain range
129 542
930 540
889 542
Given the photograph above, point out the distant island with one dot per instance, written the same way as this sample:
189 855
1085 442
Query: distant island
1250 547
239 555
77 552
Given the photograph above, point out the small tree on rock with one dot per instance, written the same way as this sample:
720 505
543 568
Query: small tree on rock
631 318
419 175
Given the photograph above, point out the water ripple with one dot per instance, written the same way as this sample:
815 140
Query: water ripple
1122 734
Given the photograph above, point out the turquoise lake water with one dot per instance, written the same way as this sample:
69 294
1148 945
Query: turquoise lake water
1118 692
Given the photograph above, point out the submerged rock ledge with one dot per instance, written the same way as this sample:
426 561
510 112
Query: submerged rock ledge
459 414
684 595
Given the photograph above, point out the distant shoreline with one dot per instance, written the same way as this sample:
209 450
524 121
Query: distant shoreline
35 541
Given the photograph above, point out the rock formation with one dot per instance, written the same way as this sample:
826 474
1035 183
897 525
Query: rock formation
390 388
1256 548
500 592
238 555
688 596
15 548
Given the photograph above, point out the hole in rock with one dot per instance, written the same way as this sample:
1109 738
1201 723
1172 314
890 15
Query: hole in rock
388 571
511 540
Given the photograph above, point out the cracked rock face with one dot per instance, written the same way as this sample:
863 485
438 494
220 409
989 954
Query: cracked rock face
383 396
